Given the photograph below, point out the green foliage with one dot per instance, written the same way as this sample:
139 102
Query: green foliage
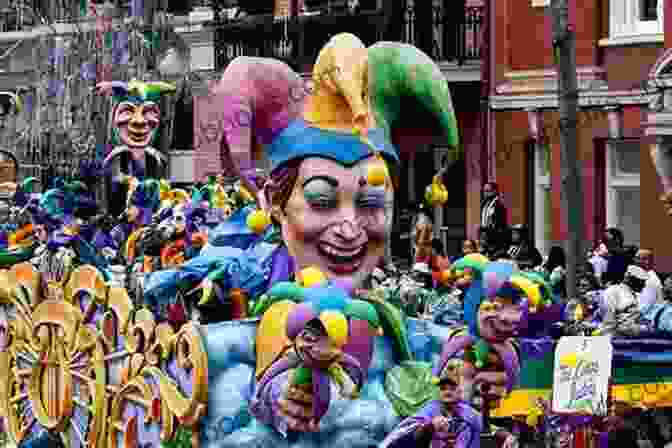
182 439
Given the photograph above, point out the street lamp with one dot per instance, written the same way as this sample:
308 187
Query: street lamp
615 121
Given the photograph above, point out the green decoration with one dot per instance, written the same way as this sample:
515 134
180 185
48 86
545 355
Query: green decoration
302 375
182 439
362 310
409 387
398 70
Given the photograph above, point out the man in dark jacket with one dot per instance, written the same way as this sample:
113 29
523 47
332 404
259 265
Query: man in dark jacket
522 249
618 258
493 212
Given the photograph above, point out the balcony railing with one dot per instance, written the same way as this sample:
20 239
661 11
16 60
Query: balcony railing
444 34
438 31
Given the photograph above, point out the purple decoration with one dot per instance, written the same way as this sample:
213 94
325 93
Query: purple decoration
137 8
88 71
56 87
120 51
603 440
28 103
282 266
536 348
360 343
56 56
298 318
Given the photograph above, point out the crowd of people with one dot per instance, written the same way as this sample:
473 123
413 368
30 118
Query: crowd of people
612 278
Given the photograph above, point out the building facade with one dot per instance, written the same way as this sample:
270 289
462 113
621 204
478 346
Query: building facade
621 59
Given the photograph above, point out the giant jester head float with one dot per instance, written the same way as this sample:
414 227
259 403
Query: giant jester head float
135 118
329 151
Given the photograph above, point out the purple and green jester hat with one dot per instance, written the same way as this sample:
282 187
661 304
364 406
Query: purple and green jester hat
502 280
56 210
136 118
329 307
360 95
349 115
24 193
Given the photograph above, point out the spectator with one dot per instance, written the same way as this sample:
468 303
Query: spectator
493 212
493 244
522 250
468 247
653 290
555 268
484 240
422 231
617 259
667 288
439 260
621 305
598 261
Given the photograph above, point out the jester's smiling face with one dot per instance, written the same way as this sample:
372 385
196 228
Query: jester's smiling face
314 346
499 319
137 122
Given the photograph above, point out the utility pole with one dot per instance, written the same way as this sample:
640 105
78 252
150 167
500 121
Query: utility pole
564 48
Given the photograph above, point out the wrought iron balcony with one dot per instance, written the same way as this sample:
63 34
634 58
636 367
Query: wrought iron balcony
437 30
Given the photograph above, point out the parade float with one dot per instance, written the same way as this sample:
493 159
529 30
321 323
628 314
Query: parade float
245 319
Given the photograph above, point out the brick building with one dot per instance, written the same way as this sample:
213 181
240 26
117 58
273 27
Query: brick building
621 61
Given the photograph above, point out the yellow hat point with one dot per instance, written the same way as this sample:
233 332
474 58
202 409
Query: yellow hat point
310 276
377 174
435 380
337 327
258 221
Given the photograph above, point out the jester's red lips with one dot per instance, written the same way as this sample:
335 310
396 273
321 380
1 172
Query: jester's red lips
342 260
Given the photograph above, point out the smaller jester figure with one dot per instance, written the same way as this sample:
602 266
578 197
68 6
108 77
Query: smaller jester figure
497 306
136 120
319 334
442 423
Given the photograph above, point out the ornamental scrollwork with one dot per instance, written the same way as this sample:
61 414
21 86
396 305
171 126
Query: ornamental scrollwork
84 365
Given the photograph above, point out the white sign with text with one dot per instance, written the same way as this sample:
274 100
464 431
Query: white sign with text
581 375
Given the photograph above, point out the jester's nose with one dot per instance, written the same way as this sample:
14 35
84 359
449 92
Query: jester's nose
511 318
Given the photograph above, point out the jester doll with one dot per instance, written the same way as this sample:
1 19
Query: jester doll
498 302
135 122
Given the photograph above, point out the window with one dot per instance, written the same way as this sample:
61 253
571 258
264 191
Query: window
629 18
648 10
543 208
623 188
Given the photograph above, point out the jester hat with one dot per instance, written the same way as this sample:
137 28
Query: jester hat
357 96
23 191
59 204
503 279
473 297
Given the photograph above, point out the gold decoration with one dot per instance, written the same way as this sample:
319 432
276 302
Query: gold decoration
78 359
